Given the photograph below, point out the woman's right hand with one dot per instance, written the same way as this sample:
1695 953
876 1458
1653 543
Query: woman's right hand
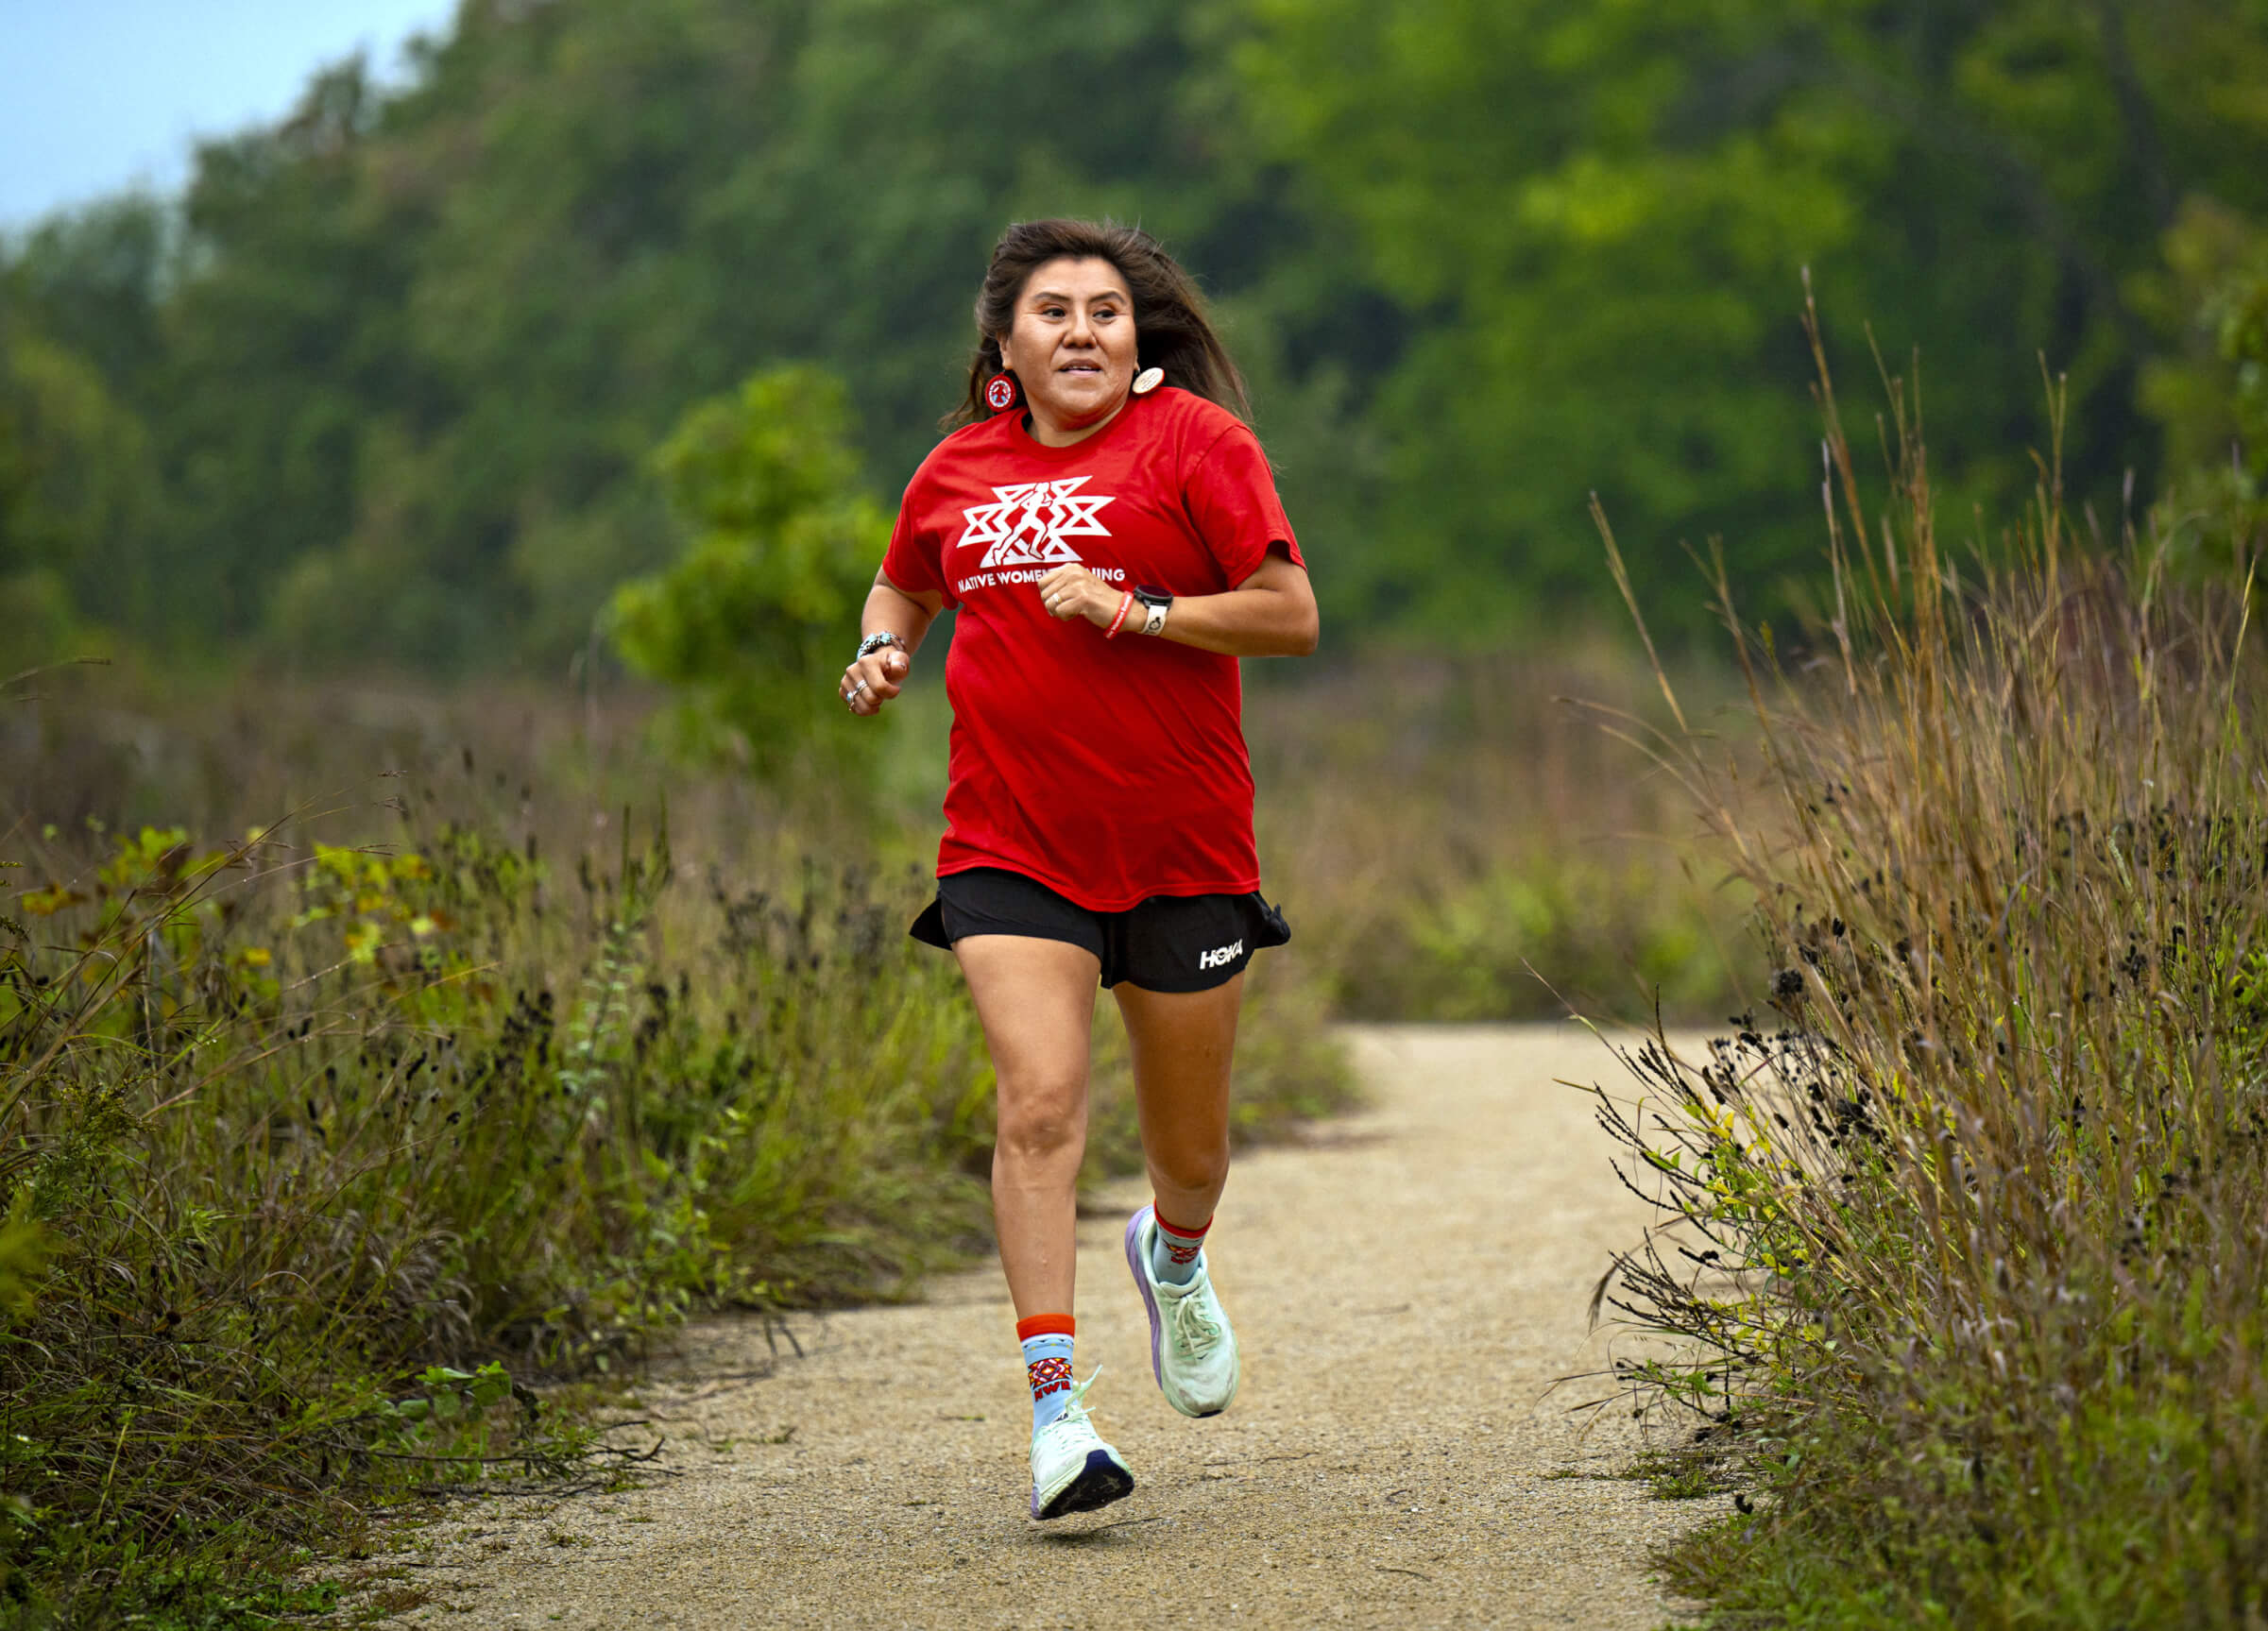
872 681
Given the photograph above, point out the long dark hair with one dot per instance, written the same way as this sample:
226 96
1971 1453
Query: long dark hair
1171 331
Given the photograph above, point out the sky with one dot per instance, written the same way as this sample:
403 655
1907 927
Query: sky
98 95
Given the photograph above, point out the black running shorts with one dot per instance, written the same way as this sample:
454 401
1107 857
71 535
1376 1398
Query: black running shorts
1169 943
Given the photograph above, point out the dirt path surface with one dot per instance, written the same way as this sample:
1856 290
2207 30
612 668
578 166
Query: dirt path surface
1404 1287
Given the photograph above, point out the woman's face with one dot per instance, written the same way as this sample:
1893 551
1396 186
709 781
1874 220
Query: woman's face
1071 343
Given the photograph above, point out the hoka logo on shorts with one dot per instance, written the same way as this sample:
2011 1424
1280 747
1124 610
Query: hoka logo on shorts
1222 955
1027 528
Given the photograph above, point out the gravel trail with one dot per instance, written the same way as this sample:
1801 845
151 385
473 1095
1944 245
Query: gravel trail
1392 1460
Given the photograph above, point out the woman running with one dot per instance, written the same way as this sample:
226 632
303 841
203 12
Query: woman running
1108 530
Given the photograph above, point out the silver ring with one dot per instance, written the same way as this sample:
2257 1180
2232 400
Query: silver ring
858 686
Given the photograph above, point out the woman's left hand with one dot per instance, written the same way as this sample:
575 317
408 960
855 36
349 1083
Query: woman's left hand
1072 591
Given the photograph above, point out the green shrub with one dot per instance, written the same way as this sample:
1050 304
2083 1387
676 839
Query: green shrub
295 1130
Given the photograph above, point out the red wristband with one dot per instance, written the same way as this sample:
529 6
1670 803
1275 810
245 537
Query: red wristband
1125 606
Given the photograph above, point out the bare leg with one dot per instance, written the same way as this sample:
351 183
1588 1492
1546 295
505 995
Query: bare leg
1183 1044
1036 1000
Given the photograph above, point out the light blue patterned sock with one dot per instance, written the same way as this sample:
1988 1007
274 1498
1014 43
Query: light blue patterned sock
1173 1251
1047 1340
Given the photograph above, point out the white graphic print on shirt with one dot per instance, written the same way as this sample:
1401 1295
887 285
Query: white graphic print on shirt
1027 528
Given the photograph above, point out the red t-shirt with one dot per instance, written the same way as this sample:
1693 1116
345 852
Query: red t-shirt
1109 769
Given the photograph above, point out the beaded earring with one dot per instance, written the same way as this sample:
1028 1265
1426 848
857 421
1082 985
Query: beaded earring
1001 393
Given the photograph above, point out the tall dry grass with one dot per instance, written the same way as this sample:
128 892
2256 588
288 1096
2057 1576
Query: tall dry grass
1965 1254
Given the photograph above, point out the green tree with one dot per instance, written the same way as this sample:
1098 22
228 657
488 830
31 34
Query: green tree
75 501
1595 214
286 353
93 280
756 617
581 217
80 352
400 355
412 346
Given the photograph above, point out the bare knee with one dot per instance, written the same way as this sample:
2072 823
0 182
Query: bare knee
1041 1126
1193 1169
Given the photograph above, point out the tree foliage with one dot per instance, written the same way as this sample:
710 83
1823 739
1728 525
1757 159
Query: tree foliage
398 359
75 501
758 612
1603 209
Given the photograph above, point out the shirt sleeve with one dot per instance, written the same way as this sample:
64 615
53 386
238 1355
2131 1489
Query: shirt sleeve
913 562
1232 498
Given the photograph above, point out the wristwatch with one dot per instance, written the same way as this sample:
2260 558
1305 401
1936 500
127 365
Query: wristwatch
1157 602
876 642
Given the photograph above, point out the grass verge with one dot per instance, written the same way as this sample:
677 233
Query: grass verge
1963 1261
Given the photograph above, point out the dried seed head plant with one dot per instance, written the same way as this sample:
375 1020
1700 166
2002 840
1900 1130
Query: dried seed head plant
1963 1259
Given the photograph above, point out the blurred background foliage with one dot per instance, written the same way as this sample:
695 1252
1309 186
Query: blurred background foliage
383 388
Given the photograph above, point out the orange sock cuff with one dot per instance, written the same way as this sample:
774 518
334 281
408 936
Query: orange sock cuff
1045 1325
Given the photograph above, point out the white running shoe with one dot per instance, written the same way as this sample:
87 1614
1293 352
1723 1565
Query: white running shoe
1192 1348
1072 1470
